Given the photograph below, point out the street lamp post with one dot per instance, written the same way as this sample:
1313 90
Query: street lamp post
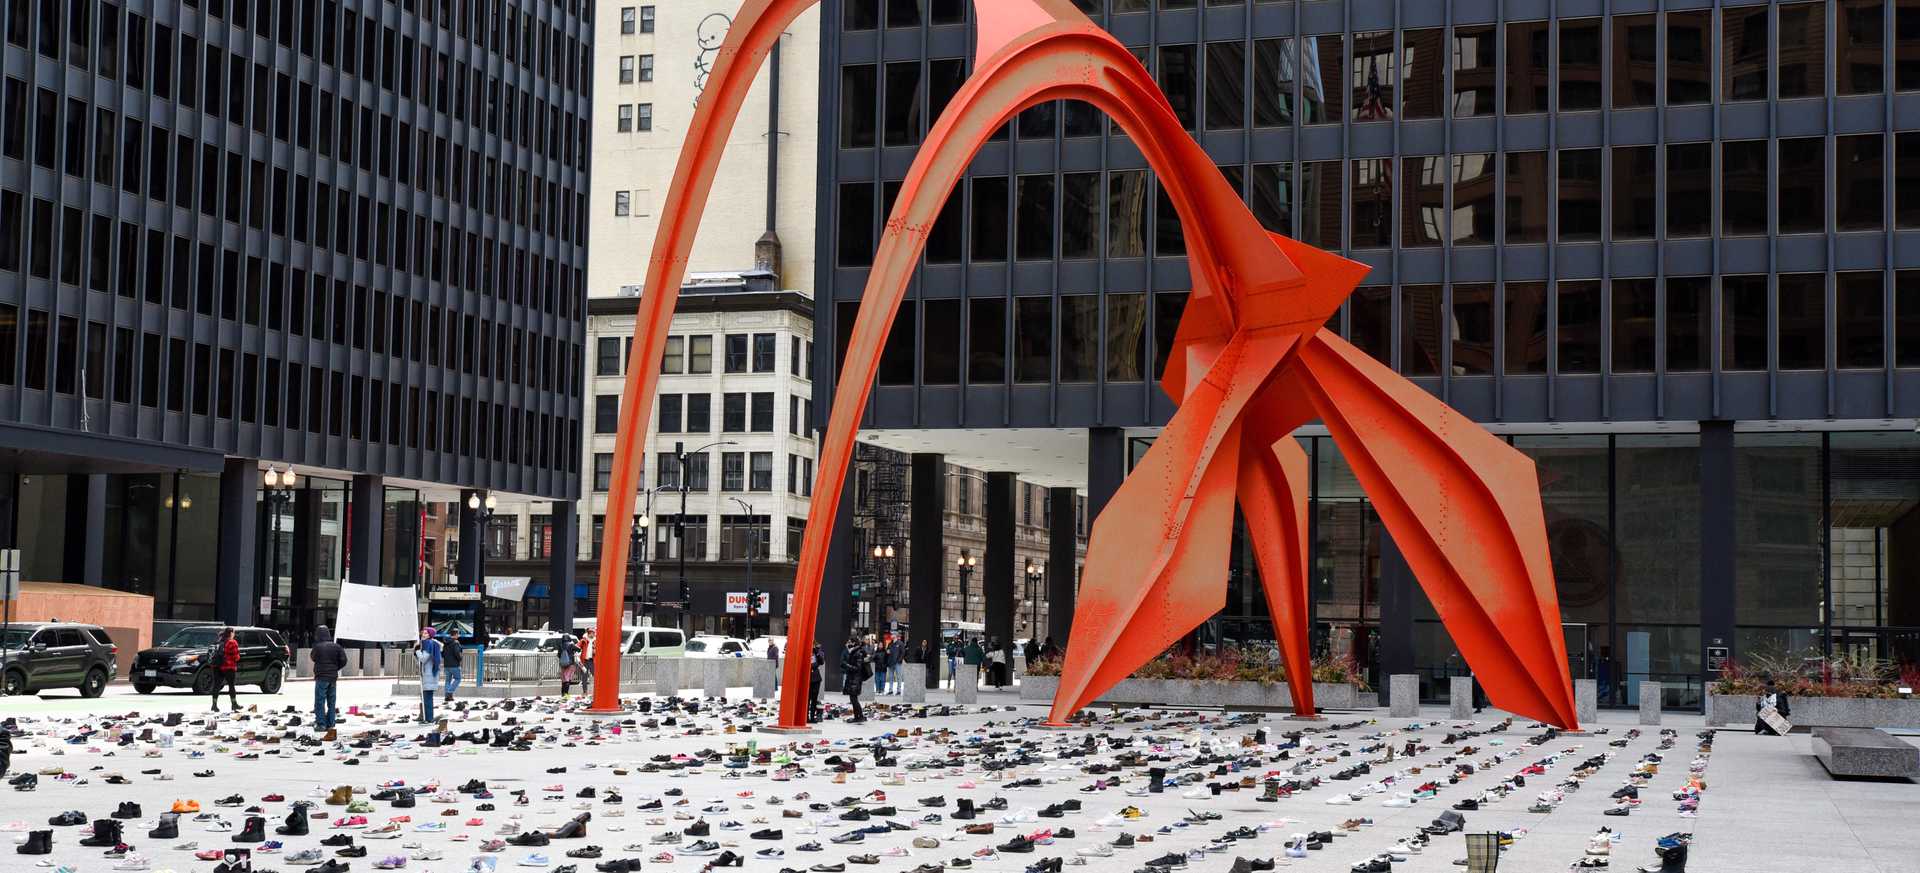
1034 574
753 545
636 567
680 527
279 492
965 564
881 556
483 508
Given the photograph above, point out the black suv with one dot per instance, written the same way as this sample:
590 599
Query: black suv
182 660
40 655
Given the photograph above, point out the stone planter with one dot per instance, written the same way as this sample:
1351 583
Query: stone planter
1195 692
1736 710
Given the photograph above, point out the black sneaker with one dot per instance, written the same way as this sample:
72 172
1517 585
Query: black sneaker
768 834
338 840
1018 844
1169 860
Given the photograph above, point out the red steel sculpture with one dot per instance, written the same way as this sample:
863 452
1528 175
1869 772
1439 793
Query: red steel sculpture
1250 363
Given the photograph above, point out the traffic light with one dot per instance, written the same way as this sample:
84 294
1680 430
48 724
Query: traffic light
753 600
685 596
653 591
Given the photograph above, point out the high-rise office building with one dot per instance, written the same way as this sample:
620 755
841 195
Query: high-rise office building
346 239
1667 250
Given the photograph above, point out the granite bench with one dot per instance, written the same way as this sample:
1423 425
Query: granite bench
1865 752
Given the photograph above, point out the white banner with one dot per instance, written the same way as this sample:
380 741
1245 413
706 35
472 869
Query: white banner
377 614
507 587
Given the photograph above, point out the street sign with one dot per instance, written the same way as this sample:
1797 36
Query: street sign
9 574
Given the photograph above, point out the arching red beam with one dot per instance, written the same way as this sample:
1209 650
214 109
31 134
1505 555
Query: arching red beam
1034 51
755 30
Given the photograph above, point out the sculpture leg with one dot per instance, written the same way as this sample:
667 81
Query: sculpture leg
1464 508
1274 478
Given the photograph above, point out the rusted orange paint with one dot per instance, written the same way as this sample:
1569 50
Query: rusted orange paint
1250 364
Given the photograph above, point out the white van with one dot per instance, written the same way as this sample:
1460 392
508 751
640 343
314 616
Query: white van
656 642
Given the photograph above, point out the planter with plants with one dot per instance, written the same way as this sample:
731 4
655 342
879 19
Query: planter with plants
1842 691
1235 679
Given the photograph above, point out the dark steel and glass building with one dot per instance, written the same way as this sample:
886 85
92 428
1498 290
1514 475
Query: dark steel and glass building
345 237
1669 248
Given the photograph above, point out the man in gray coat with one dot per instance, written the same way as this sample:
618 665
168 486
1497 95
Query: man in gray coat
328 658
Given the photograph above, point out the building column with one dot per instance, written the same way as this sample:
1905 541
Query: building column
366 510
1063 563
1396 610
1106 467
561 564
234 600
997 567
835 616
1717 545
306 590
926 550
86 544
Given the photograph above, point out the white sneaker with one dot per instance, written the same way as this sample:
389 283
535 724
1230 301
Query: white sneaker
1097 850
133 862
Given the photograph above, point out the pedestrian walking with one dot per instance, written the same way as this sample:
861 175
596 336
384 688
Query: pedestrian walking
568 654
226 665
856 667
451 656
955 648
427 653
773 655
328 658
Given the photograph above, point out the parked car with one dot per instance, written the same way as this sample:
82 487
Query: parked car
184 660
710 646
40 655
528 641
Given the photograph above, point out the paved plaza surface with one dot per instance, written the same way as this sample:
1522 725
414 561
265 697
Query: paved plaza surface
1767 806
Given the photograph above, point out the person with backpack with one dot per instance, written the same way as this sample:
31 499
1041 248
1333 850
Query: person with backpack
896 656
451 655
225 664
856 667
954 650
569 655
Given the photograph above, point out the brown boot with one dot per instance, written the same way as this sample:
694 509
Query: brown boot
330 736
341 796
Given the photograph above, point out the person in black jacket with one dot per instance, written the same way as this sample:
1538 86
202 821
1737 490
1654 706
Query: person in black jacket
1772 697
328 658
450 654
855 668
816 677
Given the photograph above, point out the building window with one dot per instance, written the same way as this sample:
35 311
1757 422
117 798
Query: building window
697 472
761 478
699 413
1371 76
645 119
1226 85
1857 47
646 68
1420 330
1473 326
743 537
1636 61
1743 41
666 472
763 412
1473 199
1579 71
1859 176
1475 59
1743 187
681 534
624 122
607 356
539 537
1802 192
1633 201
1689 64
733 471
1634 312
1856 324
1372 204
1033 339
859 106
1423 201
627 18
733 413
763 352
1579 195
939 343
1802 64
1689 323
1529 183
737 352
903 103
1527 72
1802 315
1578 329
671 360
646 19
1690 189
1743 324
622 203
670 413
602 471
700 354
606 413
626 69
1033 221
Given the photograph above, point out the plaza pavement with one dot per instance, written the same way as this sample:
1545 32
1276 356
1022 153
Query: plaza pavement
1547 842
